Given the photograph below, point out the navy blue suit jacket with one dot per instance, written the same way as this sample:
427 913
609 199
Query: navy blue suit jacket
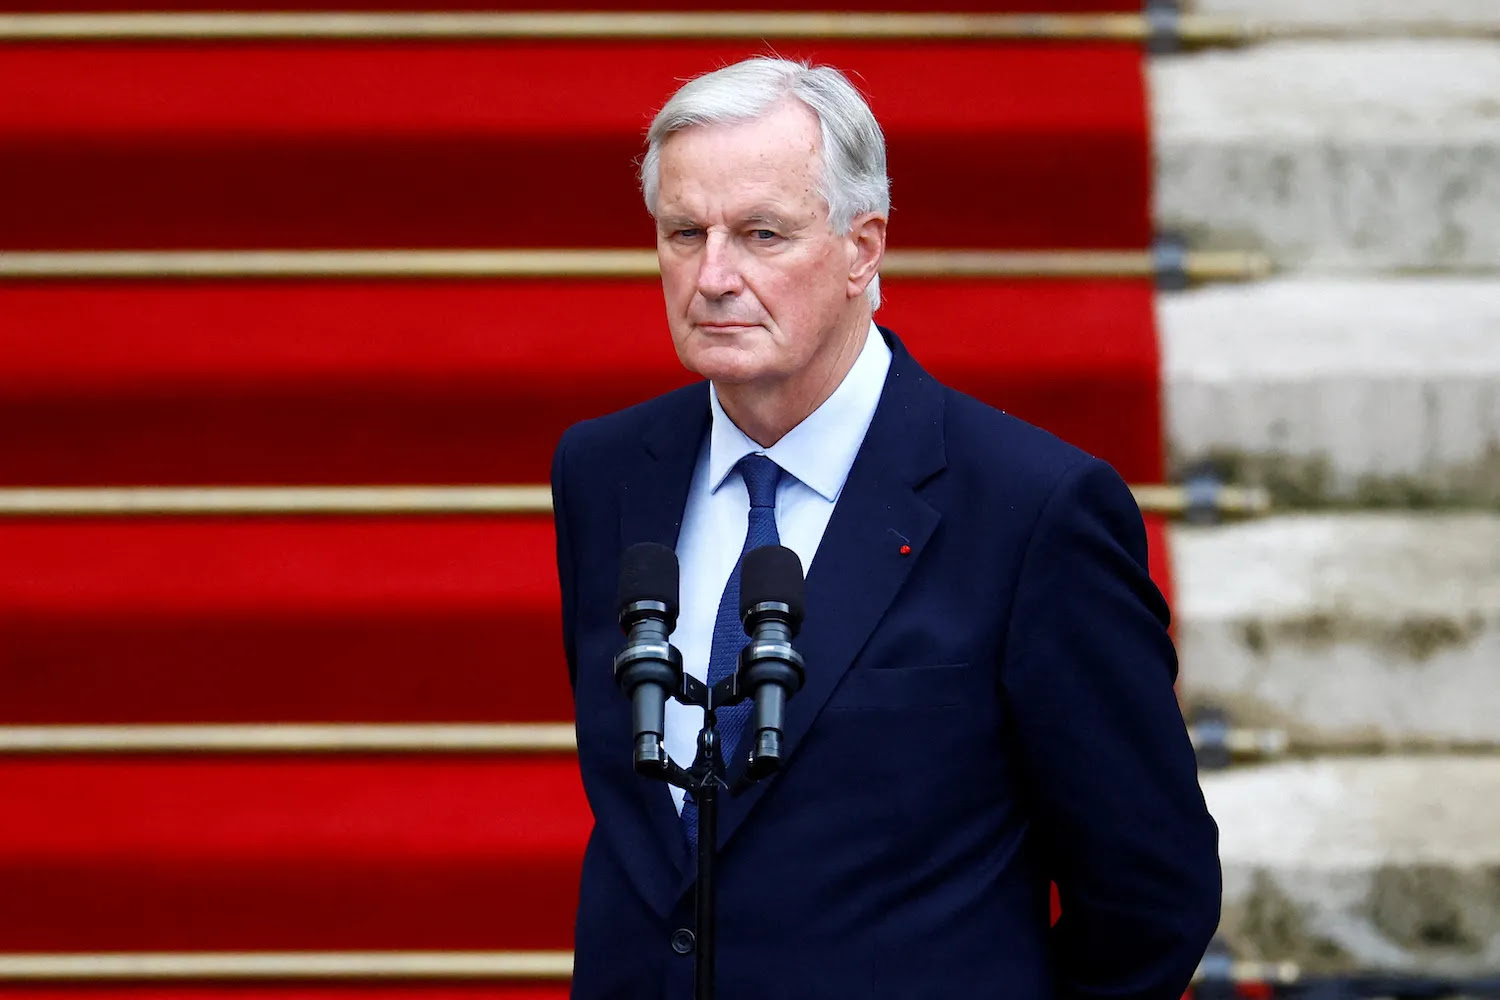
982 715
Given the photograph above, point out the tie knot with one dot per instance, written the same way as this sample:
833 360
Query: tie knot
761 476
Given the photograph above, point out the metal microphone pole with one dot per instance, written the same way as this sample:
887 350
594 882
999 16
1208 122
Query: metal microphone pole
705 780
767 661
706 794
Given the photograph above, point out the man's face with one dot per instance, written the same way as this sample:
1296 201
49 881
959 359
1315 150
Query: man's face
757 285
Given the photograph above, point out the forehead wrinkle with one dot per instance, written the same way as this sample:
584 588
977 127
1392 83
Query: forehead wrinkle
707 171
758 212
764 213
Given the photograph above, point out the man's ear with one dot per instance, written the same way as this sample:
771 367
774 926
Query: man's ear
867 237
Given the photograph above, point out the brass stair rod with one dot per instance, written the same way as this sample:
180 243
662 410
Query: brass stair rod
1198 266
515 966
1187 30
142 501
309 738
403 738
209 501
512 966
615 26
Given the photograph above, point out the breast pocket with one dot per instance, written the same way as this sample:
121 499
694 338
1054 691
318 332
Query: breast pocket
943 685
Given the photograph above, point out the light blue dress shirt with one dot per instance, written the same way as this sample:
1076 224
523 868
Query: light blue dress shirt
815 458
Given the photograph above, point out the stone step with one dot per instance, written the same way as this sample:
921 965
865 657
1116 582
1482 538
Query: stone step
1347 631
1373 863
1338 391
1358 15
1335 156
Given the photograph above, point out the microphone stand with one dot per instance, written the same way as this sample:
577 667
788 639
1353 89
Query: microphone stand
768 669
704 780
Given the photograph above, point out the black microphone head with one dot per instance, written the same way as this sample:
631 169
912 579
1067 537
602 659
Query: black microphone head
772 573
648 572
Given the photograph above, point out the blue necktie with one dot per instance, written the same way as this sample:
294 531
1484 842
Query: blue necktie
761 476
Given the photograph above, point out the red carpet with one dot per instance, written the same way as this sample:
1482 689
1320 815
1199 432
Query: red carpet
371 620
301 620
277 991
473 382
401 145
489 144
289 853
1161 569
977 6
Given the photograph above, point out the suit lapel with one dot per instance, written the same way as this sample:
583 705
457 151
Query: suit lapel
859 566
654 493
652 500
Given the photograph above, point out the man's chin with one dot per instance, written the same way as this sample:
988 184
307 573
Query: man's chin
726 374
726 363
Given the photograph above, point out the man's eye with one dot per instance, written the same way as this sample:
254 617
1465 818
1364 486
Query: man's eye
763 234
688 234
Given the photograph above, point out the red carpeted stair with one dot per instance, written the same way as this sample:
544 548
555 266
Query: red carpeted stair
271 854
474 381
362 620
276 991
399 145
527 144
973 6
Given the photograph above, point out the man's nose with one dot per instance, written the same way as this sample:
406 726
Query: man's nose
718 271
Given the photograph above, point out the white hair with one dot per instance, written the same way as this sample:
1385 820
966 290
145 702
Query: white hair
852 180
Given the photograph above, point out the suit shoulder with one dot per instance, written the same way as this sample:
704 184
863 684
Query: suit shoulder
604 436
981 437
997 462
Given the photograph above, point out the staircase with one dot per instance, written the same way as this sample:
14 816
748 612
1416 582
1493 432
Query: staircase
316 741
1361 387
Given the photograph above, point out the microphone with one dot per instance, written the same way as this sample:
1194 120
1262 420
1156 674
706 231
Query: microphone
648 667
771 597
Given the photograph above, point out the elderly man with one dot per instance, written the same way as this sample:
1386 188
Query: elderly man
988 707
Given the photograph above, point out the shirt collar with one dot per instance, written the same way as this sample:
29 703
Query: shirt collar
820 450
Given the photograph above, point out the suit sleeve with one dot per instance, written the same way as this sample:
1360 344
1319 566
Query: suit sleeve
567 573
1119 816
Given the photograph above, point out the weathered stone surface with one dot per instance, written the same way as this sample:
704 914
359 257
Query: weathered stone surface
1363 393
1335 156
1357 14
1362 863
1349 630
